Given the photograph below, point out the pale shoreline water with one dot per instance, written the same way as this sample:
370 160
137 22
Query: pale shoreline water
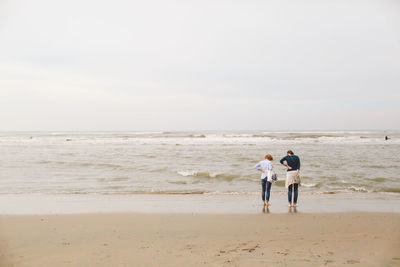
35 204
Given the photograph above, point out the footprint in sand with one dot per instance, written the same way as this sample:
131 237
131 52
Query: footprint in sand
352 262
189 246
284 253
251 249
328 261
245 246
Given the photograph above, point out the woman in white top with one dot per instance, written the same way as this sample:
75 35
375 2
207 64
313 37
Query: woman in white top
266 169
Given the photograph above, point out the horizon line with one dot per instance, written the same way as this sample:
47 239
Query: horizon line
210 130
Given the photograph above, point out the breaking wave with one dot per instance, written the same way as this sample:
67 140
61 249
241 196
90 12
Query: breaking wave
202 174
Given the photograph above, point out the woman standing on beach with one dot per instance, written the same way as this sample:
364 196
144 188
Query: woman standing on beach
266 169
292 163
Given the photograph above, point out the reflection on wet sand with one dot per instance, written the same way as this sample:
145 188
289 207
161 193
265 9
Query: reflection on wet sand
265 209
292 209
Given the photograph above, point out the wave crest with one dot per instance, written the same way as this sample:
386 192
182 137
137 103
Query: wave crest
203 174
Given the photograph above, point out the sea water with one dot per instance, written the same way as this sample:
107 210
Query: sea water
206 162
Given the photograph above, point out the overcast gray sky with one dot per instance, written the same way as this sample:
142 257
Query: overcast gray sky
199 65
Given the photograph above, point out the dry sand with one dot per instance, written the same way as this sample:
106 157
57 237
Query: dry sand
296 239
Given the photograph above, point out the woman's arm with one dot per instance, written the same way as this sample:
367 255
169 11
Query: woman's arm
298 166
283 161
258 167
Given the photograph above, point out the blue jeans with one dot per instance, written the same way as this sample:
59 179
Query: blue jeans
296 193
266 188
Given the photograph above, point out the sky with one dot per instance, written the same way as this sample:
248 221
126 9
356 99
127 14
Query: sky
199 65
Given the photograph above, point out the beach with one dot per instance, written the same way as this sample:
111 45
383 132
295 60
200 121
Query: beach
145 133
129 239
199 230
192 198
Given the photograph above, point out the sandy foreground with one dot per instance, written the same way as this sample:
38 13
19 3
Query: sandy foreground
265 239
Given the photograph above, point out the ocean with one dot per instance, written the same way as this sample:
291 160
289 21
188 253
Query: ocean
204 162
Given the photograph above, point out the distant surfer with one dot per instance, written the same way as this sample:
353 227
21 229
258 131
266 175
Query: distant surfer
292 163
386 138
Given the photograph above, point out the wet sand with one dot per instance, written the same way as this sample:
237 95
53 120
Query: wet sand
264 239
194 203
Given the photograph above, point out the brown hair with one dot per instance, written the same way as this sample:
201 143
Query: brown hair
290 152
269 157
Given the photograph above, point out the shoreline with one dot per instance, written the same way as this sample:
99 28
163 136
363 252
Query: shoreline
37 204
334 239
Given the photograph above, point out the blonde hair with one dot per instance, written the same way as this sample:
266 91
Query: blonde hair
269 157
